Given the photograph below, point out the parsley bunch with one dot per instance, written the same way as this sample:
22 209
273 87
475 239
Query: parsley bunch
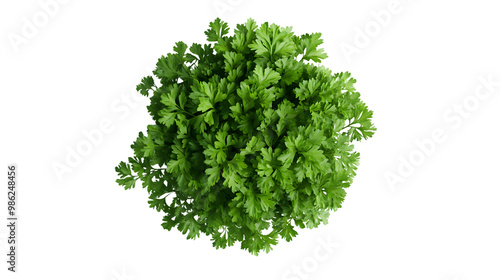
249 138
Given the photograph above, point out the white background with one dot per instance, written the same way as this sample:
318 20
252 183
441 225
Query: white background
437 218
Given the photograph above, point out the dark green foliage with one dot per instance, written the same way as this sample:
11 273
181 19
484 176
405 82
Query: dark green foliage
248 136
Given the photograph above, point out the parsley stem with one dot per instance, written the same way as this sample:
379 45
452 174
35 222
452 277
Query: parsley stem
184 111
350 123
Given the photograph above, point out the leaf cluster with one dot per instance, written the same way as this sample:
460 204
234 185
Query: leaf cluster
251 139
